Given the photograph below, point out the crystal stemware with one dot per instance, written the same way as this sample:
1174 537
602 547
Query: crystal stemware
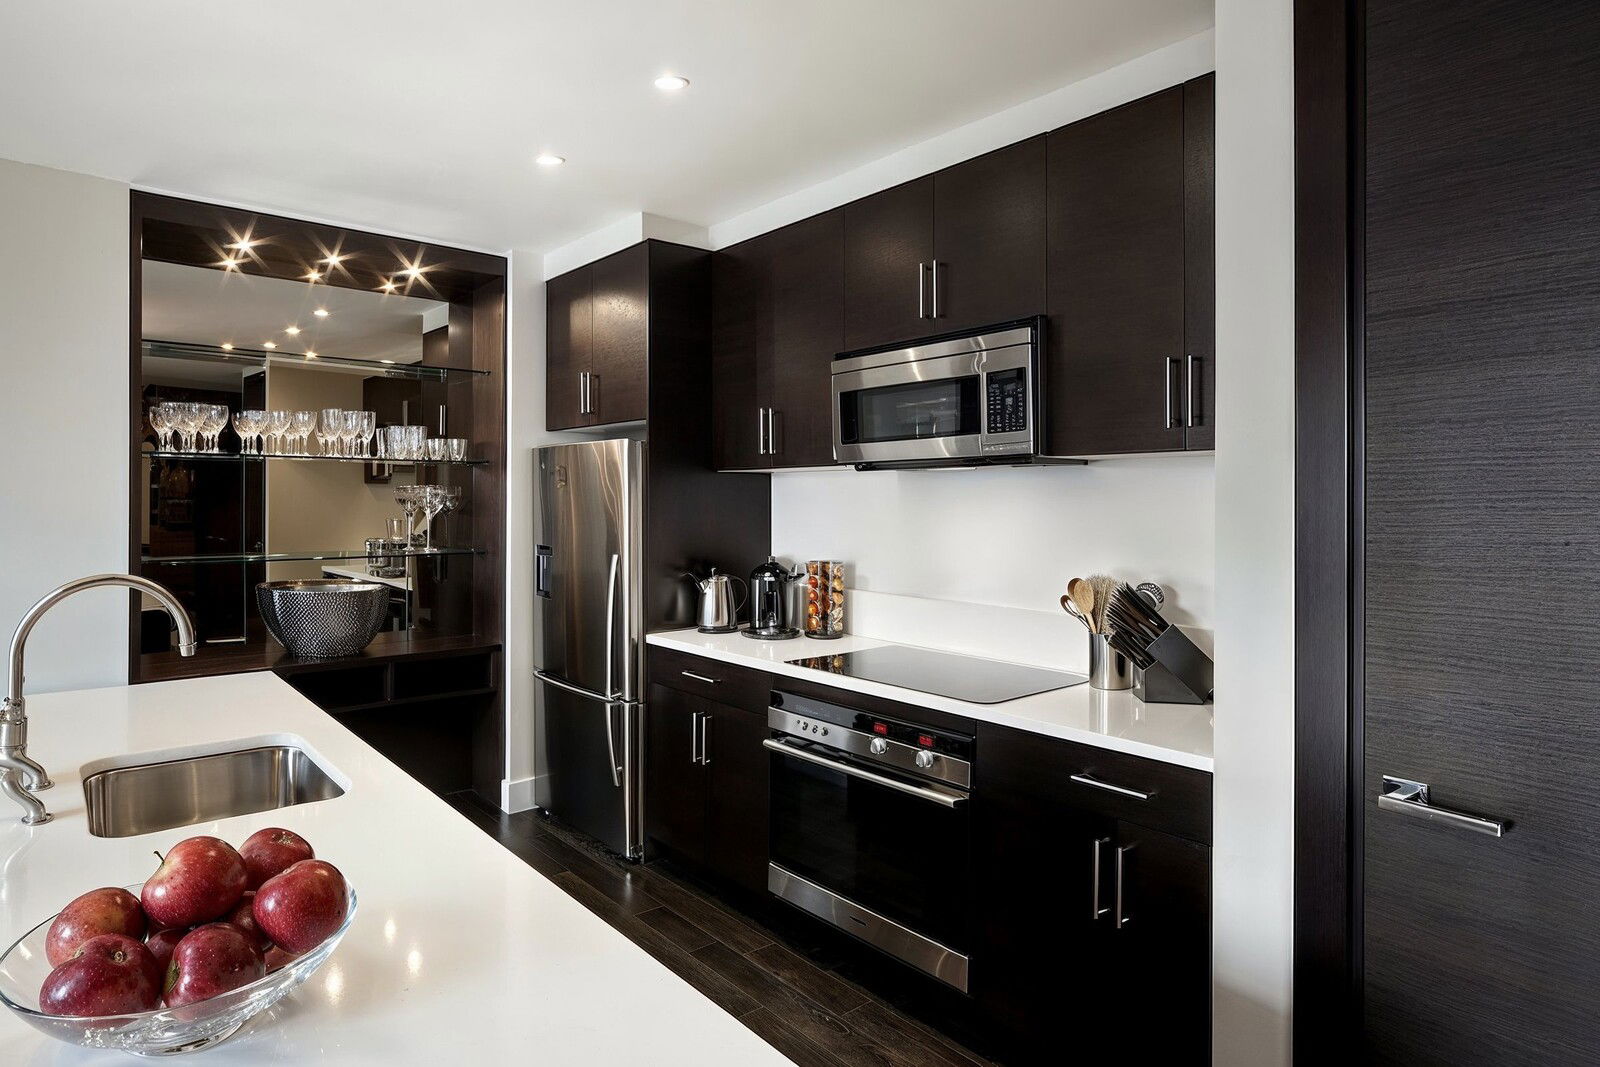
436 449
409 498
216 420
369 427
277 426
432 503
303 422
328 425
349 432
190 418
457 447
159 422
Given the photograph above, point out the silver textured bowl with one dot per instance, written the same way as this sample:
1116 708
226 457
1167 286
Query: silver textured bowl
323 616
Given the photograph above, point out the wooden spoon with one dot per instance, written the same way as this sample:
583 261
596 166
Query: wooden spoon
1082 594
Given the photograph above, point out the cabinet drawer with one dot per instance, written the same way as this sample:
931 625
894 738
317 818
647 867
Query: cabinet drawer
1172 799
713 679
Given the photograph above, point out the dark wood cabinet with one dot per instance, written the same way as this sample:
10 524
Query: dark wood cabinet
777 324
888 249
736 815
675 783
1082 908
597 341
1129 278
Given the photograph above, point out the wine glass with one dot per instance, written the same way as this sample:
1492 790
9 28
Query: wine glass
277 425
328 427
216 422
432 503
189 420
161 424
369 427
258 424
304 423
350 425
408 499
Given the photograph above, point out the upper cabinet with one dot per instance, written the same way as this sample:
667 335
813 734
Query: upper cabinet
777 322
961 248
1130 293
597 341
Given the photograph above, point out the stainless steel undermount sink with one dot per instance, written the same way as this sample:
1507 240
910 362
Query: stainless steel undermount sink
128 801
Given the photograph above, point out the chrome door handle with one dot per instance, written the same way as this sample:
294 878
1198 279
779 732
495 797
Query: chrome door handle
761 431
935 272
701 678
705 739
772 432
1412 798
1123 918
583 392
1095 910
1120 790
611 750
1166 385
1191 404
948 798
694 737
922 290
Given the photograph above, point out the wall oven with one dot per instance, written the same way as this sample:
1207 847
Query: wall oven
871 829
953 401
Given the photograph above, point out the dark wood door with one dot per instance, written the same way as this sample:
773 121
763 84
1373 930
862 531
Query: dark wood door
569 346
1481 185
1199 264
1116 280
674 783
805 271
736 819
617 388
888 250
989 238
738 325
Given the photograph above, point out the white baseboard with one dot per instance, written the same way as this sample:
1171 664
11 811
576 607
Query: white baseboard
516 794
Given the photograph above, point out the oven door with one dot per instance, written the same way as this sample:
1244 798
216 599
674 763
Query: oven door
930 409
884 857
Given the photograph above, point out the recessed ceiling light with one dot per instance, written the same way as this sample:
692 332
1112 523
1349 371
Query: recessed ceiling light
388 287
243 244
545 159
229 263
269 344
313 276
334 260
292 331
413 272
385 361
671 83
310 354
321 313
226 347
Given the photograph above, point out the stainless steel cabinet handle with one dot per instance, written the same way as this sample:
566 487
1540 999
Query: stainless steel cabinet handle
935 290
694 737
1191 416
1095 910
1120 790
705 739
583 392
948 798
922 290
1123 918
1412 798
701 678
761 431
1166 385
772 432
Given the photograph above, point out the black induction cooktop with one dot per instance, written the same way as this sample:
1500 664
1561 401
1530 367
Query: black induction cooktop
947 674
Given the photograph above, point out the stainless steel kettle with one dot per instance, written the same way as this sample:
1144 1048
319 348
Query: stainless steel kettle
719 614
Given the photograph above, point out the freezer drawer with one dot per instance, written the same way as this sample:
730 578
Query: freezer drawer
593 755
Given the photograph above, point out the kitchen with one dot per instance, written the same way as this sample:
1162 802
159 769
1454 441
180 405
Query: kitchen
755 535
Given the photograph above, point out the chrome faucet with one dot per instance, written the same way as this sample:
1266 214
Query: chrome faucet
21 777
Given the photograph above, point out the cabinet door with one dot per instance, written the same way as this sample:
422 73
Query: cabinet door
989 238
1115 281
675 785
1160 944
737 317
806 292
888 244
736 825
617 387
569 341
1200 264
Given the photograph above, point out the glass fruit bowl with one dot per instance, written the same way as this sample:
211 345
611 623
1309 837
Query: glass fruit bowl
163 1031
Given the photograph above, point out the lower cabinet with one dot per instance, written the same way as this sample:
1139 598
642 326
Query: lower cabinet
1094 928
706 784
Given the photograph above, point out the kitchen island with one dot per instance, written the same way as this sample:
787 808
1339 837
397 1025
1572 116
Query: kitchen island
459 952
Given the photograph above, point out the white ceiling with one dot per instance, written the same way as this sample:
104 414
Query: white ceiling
424 118
213 307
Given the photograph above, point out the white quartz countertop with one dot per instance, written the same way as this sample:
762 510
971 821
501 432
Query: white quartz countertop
459 952
1172 733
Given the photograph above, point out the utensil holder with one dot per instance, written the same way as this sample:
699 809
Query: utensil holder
1108 668
1181 673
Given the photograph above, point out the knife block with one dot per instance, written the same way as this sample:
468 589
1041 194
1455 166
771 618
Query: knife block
1181 673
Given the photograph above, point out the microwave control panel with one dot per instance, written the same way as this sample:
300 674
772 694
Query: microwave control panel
1007 401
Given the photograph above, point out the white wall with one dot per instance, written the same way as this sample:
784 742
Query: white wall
64 359
1252 880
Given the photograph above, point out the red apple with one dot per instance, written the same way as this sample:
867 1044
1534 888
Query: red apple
272 851
200 879
277 958
99 911
244 918
299 908
162 942
211 960
109 974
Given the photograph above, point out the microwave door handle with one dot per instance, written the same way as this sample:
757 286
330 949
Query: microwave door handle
944 797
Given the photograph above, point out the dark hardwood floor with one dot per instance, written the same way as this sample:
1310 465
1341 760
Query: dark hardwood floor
784 976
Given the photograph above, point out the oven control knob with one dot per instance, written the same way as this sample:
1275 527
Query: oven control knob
879 746
924 759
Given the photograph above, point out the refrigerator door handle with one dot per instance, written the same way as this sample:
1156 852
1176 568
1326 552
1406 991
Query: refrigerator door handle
611 750
611 628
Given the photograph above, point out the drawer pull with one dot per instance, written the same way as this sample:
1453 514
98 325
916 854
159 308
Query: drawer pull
701 678
1120 790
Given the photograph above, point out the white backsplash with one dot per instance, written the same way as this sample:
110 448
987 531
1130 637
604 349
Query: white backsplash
976 560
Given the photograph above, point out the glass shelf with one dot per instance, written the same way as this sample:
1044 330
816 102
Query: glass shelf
246 357
289 557
315 459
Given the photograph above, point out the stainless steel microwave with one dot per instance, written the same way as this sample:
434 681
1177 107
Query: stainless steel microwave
952 401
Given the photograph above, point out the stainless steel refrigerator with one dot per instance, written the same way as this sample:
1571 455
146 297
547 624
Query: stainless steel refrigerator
589 634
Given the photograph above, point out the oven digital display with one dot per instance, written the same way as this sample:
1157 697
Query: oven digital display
1008 401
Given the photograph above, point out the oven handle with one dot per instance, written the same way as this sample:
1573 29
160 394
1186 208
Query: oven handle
948 798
